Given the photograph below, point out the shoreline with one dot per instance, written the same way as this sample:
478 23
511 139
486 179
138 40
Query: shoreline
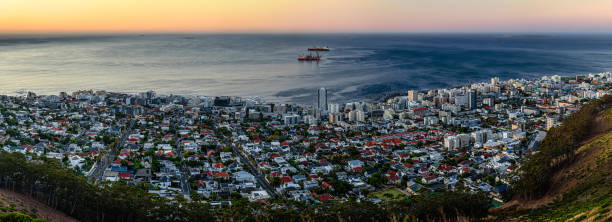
380 97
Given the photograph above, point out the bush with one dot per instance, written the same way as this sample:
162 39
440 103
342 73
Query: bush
17 217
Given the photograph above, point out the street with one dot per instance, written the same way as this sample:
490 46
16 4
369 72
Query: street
260 177
183 174
106 160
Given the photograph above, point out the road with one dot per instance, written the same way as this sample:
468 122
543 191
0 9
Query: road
108 158
532 142
261 178
184 176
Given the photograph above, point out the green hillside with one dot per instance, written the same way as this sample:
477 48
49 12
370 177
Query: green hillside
587 191
574 171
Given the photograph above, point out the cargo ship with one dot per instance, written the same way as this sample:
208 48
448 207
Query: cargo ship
309 58
318 49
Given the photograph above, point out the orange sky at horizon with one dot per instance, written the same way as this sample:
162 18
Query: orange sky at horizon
304 16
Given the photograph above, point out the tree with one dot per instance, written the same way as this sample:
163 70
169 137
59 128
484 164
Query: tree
50 183
377 179
556 150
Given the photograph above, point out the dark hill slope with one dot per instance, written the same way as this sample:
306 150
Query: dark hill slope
12 202
580 186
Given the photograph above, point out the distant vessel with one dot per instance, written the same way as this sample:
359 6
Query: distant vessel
318 49
309 58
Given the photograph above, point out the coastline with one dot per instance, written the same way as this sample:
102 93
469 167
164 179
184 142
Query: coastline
373 98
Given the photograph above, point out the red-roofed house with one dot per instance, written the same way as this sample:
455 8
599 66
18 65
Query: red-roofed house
325 197
313 176
511 168
221 175
125 176
286 179
392 176
327 185
118 161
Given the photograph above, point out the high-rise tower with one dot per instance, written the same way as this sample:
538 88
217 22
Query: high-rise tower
322 99
472 99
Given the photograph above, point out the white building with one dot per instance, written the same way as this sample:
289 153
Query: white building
550 122
412 96
494 81
334 108
429 120
310 120
291 119
356 116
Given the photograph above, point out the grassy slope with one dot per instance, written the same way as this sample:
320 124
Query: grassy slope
14 202
587 193
582 191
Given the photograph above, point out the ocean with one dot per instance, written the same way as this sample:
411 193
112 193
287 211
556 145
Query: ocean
359 66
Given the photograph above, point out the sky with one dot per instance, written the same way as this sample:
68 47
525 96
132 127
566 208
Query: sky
305 16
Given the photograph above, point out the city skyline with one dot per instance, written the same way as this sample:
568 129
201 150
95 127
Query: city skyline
281 110
18 16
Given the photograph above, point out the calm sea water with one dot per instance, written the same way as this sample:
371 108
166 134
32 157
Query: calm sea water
358 65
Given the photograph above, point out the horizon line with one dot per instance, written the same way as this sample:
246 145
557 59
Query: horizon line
149 32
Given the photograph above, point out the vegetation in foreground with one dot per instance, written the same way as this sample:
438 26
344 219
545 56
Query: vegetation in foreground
11 210
558 150
18 217
585 192
60 188
566 180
